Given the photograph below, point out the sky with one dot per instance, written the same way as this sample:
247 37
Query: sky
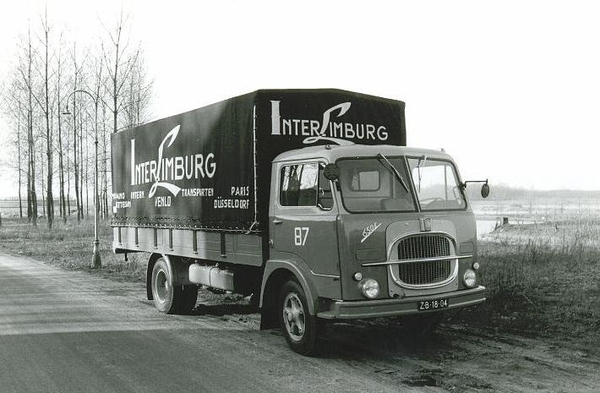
511 89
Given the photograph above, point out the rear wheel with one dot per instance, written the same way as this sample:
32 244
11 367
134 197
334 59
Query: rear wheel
169 298
298 325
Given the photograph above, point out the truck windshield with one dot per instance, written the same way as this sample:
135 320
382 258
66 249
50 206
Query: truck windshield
436 184
368 185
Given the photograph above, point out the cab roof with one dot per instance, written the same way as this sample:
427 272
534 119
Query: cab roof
332 153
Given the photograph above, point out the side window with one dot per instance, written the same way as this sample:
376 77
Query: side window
299 184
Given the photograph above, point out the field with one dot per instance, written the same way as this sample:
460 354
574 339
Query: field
542 270
70 246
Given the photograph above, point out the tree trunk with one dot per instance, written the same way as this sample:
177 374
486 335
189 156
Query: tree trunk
42 177
32 197
49 152
81 166
61 167
75 167
75 151
68 170
19 168
87 176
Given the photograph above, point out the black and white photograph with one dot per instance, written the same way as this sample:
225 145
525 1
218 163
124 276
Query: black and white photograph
292 196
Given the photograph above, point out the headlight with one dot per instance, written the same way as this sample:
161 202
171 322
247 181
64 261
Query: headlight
369 288
470 278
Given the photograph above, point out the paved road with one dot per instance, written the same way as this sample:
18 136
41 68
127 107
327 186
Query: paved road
64 331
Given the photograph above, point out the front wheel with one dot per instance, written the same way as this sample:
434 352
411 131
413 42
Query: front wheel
298 325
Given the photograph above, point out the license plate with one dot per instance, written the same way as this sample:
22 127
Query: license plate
437 304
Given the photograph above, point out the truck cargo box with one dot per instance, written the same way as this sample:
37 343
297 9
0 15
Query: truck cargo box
209 169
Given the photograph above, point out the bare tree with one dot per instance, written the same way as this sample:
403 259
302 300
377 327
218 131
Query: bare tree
82 162
120 63
76 73
61 160
100 132
45 104
32 211
68 171
12 103
127 84
19 161
139 93
39 89
105 161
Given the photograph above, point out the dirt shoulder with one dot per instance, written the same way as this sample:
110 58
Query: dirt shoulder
453 358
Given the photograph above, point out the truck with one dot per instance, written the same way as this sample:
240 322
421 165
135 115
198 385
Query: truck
307 200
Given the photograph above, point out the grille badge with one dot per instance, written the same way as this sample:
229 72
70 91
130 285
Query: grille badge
425 224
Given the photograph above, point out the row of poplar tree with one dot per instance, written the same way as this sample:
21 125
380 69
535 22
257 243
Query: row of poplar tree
59 99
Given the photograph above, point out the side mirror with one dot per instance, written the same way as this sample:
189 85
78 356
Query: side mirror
331 172
485 190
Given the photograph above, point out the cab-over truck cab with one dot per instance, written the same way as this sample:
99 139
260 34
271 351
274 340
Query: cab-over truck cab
367 231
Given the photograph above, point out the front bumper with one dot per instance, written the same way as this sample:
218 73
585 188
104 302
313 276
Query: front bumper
392 307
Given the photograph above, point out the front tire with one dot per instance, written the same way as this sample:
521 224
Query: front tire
297 324
169 298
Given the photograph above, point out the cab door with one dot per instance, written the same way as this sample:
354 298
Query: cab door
303 223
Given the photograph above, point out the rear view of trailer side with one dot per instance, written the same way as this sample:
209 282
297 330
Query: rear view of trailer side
249 195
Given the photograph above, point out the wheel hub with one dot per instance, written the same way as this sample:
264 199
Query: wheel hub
294 317
162 286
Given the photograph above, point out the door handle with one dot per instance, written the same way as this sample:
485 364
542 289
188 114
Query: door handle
277 221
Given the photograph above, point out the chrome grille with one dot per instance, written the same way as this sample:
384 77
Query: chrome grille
429 246
419 247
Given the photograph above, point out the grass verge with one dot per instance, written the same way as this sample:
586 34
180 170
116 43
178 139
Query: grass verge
70 246
542 280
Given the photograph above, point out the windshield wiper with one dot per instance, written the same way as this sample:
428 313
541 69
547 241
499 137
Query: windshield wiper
381 158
